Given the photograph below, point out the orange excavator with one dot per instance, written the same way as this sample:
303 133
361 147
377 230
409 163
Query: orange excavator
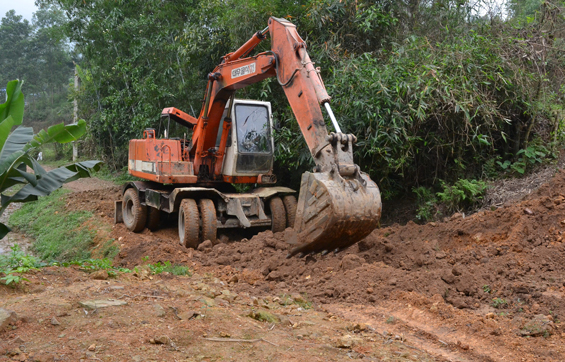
232 143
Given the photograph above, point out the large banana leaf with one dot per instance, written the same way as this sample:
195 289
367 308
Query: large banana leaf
16 141
22 140
51 181
11 112
14 154
59 133
43 184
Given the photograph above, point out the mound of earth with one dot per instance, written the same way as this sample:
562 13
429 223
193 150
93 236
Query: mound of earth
489 286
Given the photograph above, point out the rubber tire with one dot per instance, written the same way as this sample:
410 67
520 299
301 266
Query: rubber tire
133 212
153 218
189 224
209 220
290 203
278 214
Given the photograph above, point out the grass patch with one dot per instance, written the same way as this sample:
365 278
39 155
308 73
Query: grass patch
92 265
60 235
263 316
167 267
300 300
109 250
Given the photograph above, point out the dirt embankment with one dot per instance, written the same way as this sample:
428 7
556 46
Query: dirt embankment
488 287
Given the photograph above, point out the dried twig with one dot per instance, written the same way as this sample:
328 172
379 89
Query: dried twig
239 340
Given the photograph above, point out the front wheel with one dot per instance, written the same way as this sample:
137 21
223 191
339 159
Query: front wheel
134 213
189 224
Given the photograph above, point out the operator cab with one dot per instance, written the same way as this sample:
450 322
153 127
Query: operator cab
249 150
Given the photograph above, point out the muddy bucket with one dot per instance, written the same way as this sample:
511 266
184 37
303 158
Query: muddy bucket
335 212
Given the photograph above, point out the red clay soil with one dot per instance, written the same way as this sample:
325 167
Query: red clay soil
487 287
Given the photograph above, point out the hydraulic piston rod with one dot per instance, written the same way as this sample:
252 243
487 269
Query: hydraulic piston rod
332 117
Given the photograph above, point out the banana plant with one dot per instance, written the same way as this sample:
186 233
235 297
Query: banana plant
15 154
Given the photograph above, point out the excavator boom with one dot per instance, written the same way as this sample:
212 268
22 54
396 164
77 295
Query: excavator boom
338 205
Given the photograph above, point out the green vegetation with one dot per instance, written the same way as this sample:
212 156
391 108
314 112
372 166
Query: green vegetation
15 264
92 265
433 90
463 195
442 95
499 303
16 149
119 177
39 53
59 235
264 316
167 267
427 203
109 250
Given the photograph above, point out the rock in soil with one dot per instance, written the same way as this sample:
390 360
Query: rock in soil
159 311
161 340
7 317
99 275
347 341
539 325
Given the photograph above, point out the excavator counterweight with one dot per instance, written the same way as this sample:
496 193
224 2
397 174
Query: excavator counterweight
231 142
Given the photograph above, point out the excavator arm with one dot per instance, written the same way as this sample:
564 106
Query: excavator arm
338 204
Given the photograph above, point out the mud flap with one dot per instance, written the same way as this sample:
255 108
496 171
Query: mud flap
118 217
335 212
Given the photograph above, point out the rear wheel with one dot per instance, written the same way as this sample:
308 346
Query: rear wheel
278 214
133 212
189 224
153 218
289 202
209 220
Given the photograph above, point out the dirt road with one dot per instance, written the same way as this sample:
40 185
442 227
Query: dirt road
488 287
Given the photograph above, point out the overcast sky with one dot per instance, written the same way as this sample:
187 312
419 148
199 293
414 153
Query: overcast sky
26 8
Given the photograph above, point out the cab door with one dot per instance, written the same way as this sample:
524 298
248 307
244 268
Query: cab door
250 147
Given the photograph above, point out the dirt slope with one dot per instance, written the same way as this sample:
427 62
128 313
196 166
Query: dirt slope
488 287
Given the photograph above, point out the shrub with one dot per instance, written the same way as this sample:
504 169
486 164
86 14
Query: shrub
462 195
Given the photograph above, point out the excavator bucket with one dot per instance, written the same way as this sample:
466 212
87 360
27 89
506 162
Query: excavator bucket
334 212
